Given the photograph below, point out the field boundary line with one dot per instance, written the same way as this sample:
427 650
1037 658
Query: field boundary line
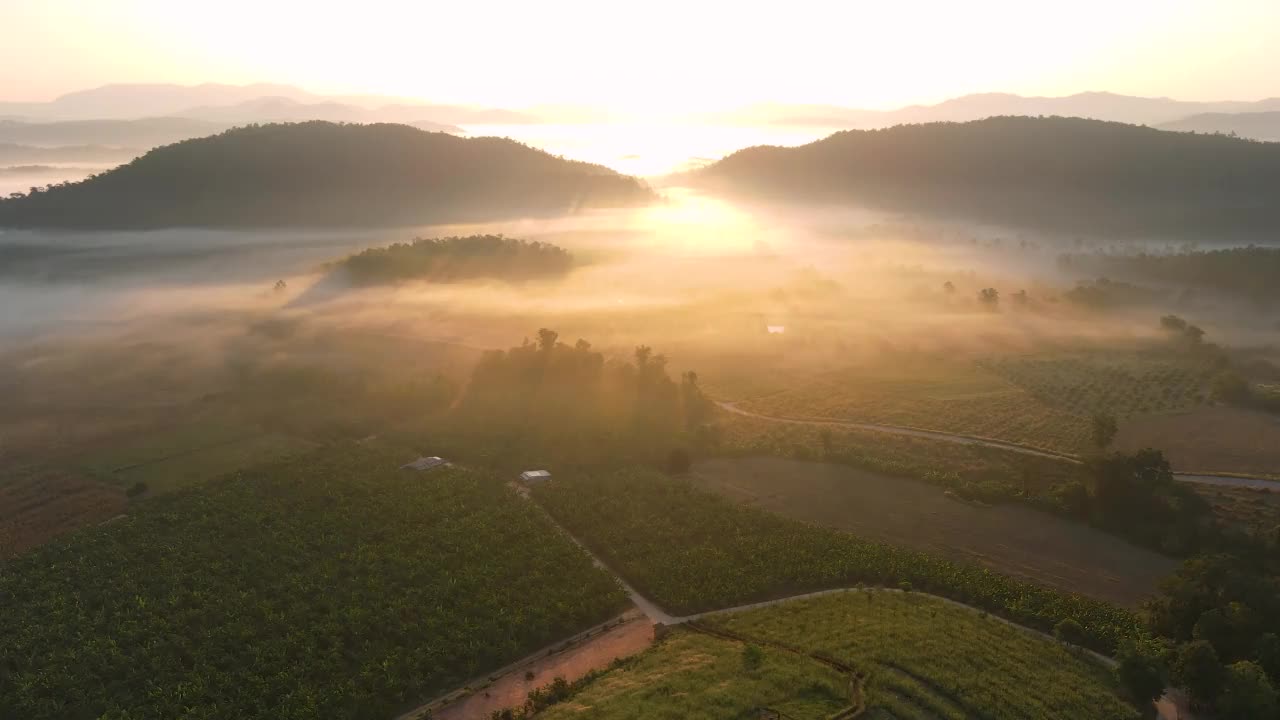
1228 480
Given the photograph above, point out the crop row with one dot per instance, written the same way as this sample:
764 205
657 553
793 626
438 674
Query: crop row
331 585
922 653
693 551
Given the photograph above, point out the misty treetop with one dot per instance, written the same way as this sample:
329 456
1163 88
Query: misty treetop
1068 173
458 258
550 384
1251 273
316 174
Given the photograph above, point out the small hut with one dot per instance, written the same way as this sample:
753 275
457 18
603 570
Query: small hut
533 477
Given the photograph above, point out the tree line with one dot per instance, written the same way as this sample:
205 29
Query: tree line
1245 272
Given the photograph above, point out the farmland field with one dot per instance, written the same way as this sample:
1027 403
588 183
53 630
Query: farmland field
1042 401
1210 439
1008 539
188 453
925 658
970 469
38 504
934 394
694 676
692 551
1121 383
389 585
1252 509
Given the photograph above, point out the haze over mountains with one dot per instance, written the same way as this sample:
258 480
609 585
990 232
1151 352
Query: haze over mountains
1094 105
264 102
244 103
1255 125
1067 174
319 174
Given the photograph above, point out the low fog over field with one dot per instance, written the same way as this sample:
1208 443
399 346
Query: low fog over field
693 267
103 332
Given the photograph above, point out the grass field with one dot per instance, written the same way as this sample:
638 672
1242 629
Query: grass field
696 677
1041 400
925 658
1009 539
393 586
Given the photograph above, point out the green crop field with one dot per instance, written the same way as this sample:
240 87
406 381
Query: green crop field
1042 401
188 453
933 394
925 658
1120 383
693 551
329 585
698 677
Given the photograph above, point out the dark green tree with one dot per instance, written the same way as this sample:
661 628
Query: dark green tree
1140 669
1247 694
1198 669
1069 630
1103 428
1266 651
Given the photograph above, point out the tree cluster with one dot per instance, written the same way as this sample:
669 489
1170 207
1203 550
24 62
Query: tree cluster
570 402
1220 617
458 258
1248 272
1136 495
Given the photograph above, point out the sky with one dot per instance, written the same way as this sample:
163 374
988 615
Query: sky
652 57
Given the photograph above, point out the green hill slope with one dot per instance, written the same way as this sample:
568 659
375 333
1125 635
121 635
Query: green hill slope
1064 173
318 174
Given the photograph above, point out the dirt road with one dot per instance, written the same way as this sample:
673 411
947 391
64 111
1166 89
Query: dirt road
1223 480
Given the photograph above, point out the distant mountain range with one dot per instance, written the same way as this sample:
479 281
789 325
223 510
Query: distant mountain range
1093 105
1254 125
264 102
16 154
246 103
146 133
1069 174
319 174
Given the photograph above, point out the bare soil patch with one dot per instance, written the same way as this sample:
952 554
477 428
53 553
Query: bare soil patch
511 689
1209 440
1008 539
37 506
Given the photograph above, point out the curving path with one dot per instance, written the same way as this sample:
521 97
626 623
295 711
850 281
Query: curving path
655 612
1172 706
959 439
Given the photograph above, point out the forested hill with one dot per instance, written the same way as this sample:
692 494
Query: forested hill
1053 172
317 174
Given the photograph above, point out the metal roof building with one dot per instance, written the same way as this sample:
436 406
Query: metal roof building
529 477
